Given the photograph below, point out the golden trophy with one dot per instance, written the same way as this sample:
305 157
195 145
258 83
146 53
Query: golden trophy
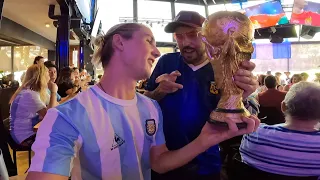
228 40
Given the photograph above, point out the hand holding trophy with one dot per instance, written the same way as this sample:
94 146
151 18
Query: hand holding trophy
228 39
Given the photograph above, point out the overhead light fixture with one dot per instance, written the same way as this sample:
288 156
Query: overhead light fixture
47 25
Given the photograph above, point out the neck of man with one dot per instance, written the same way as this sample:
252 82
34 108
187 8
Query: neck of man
272 88
116 81
199 61
300 125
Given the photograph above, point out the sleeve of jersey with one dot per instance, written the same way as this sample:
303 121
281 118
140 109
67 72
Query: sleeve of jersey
54 145
158 70
252 106
159 137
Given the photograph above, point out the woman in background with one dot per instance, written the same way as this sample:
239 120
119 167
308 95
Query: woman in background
294 79
28 103
76 73
38 60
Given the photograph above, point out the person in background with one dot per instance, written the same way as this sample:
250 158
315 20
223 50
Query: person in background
304 76
269 73
53 76
76 73
292 148
271 97
110 131
261 87
11 82
28 103
183 84
65 82
317 78
288 78
280 81
294 79
83 74
5 81
38 60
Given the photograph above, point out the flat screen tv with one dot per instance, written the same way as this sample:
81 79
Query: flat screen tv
96 24
267 14
306 12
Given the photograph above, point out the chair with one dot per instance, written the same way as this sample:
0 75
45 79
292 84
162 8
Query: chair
240 170
14 146
271 115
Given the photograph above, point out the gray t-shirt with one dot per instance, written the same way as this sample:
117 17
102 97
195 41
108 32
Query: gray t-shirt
24 114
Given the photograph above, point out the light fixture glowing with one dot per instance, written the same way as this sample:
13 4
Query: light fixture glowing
47 25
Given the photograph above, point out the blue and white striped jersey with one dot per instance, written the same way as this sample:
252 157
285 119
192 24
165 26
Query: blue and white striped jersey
279 150
96 136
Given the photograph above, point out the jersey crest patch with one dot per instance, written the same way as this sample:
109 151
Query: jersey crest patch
151 127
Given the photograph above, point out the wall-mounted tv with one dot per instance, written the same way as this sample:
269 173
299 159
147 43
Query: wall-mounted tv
267 14
306 13
96 24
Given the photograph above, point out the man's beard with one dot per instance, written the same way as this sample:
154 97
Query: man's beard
192 55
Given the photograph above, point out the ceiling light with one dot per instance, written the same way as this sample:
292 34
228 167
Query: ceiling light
47 25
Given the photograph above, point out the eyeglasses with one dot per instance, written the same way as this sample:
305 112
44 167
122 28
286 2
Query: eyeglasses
190 35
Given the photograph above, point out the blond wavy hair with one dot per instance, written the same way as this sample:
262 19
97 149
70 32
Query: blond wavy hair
36 79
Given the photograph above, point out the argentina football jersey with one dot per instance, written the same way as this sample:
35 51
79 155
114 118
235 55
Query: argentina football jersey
96 136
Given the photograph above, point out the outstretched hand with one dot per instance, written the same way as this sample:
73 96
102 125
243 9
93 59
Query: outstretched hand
214 134
167 83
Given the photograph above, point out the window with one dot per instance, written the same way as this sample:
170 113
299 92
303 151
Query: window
24 57
113 10
273 65
156 15
305 57
6 64
189 7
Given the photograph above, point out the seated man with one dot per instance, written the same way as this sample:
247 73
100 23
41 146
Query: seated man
292 148
271 97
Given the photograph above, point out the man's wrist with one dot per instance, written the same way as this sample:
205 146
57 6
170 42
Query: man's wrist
157 94
201 143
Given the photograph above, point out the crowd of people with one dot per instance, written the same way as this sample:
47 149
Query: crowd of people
110 131
40 90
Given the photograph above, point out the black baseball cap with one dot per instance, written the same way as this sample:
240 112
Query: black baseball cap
185 18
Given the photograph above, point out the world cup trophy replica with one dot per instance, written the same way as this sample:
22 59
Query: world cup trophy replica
228 39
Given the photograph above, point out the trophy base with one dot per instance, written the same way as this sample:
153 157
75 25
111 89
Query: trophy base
224 124
218 116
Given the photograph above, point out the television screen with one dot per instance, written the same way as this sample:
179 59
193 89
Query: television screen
85 9
267 14
96 24
306 13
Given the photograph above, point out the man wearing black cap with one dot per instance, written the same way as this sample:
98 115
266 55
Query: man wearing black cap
183 84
